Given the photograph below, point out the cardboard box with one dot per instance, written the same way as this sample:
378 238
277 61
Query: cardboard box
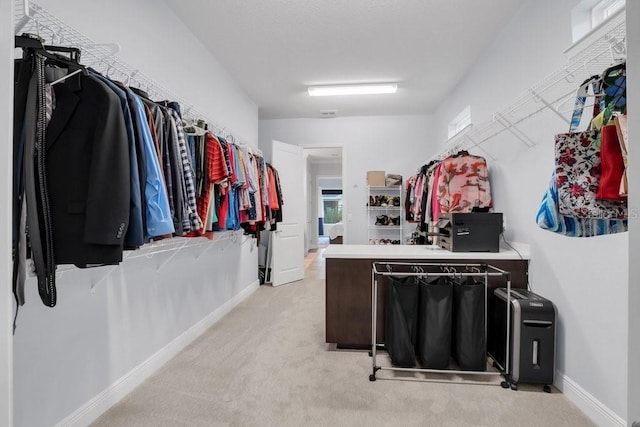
376 178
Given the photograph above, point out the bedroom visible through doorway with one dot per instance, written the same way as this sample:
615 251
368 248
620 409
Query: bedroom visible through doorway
326 200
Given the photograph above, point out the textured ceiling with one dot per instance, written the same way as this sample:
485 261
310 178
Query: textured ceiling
276 48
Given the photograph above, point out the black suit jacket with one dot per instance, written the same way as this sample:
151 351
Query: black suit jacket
87 166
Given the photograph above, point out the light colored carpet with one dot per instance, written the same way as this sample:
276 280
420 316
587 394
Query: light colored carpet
310 258
266 364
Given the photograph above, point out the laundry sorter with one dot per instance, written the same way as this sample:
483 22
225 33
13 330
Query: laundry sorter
529 355
444 332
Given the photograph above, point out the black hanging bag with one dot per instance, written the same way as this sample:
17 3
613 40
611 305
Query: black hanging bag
433 345
470 346
400 320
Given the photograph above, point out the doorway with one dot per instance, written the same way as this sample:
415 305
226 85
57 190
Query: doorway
326 200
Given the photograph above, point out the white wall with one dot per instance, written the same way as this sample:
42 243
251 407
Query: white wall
586 278
330 183
108 322
6 135
390 143
633 93
156 42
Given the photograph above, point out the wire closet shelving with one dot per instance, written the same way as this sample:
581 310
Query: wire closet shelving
598 50
29 17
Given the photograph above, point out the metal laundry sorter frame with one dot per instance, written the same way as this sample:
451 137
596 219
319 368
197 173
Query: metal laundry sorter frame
418 270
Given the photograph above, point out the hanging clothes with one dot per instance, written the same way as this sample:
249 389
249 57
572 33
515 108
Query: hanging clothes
190 212
100 167
135 232
457 183
463 184
216 173
158 216
88 172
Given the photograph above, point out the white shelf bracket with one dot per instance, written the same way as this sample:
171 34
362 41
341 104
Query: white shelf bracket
103 278
175 250
537 97
208 247
25 18
514 130
479 145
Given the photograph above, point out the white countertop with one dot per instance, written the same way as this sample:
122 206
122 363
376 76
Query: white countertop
421 252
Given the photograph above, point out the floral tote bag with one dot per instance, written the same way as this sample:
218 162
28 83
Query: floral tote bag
578 168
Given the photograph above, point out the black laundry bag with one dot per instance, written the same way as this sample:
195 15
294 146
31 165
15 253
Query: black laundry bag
470 345
401 313
433 346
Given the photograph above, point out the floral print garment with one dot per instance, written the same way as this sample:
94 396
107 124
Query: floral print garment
463 184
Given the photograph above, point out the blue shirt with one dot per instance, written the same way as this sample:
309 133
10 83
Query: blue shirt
159 221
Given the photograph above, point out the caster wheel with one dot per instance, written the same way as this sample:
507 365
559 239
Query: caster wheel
504 384
547 389
514 386
370 353
372 377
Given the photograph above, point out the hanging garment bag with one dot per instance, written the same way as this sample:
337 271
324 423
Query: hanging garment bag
433 346
470 345
400 320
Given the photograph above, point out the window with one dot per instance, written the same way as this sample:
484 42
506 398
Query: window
461 121
590 14
603 10
332 206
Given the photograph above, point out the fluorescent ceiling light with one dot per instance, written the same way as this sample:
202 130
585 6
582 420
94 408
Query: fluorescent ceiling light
363 89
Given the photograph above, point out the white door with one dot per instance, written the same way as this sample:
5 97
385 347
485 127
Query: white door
288 239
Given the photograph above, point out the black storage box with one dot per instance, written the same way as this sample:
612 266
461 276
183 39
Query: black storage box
470 232
532 339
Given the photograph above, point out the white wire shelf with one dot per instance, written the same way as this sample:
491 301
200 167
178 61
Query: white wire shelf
29 17
594 54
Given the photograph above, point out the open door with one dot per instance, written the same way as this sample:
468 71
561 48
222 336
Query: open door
288 240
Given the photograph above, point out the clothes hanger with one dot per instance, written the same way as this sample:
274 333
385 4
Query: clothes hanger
192 128
461 153
73 51
61 79
34 41
130 76
29 41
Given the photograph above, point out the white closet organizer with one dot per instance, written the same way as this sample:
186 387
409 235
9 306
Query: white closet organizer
594 53
432 270
384 212
32 18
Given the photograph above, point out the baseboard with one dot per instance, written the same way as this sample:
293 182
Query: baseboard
587 403
90 411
